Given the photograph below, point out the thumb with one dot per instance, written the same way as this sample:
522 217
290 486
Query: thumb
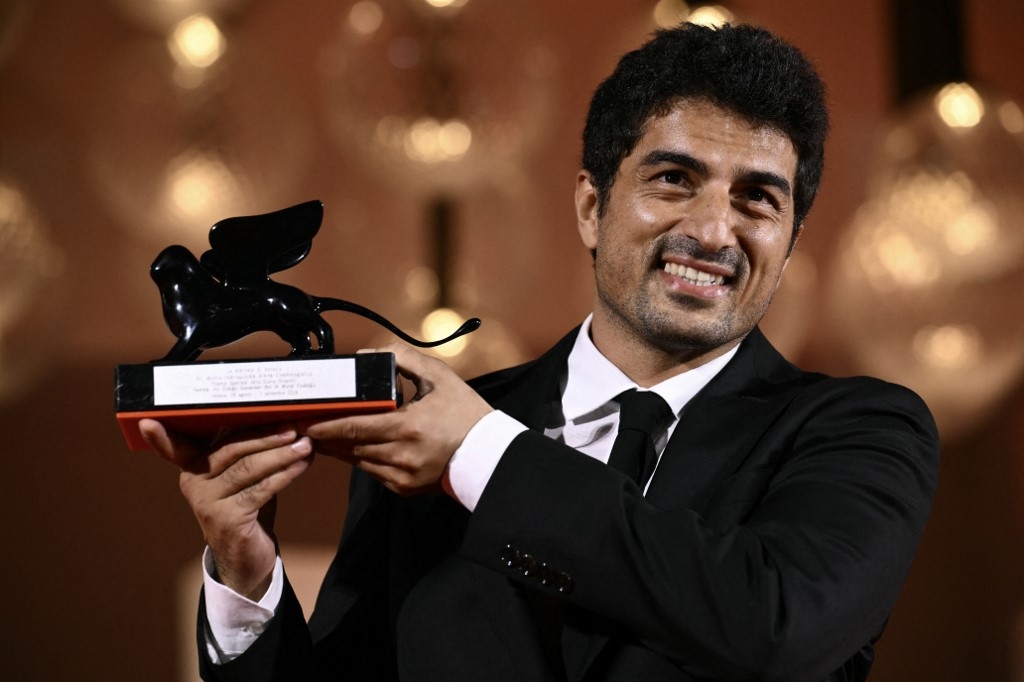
422 370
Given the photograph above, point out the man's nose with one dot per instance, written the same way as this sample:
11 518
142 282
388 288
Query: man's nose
710 219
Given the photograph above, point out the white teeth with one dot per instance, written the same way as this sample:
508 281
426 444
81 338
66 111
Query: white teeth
693 276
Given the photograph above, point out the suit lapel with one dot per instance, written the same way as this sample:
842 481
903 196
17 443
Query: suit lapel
697 458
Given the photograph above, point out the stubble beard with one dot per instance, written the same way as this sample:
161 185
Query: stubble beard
677 328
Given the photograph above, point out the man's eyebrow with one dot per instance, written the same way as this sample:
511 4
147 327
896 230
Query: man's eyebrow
754 177
660 156
766 178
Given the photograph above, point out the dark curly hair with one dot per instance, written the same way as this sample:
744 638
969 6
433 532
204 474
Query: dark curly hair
743 69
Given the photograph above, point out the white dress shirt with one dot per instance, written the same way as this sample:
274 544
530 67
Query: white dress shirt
590 422
590 411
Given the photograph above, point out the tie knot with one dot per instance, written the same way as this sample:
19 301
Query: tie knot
642 410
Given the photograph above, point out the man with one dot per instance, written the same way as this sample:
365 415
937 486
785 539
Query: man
486 538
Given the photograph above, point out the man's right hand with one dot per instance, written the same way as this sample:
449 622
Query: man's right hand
232 492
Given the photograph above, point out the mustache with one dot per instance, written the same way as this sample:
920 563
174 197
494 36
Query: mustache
688 247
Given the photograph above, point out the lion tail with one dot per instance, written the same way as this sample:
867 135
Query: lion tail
325 304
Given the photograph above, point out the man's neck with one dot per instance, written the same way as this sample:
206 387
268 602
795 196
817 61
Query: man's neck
646 363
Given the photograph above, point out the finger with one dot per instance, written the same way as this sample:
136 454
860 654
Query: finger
256 496
218 502
422 370
355 429
384 454
241 444
262 468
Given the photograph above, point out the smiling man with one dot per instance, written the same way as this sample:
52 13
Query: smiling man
761 522
691 240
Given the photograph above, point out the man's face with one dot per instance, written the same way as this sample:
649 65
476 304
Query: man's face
695 233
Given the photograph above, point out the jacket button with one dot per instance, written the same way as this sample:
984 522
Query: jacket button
509 556
564 583
546 575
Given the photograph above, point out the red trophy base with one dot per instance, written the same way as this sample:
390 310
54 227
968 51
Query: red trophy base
204 399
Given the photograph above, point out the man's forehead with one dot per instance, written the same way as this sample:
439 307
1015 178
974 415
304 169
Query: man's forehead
702 107
694 114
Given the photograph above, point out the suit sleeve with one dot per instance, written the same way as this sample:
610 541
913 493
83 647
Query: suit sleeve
786 576
349 629
281 652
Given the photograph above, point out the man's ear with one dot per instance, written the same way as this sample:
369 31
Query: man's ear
797 231
586 209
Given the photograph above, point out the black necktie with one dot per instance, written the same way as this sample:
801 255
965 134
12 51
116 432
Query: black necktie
633 451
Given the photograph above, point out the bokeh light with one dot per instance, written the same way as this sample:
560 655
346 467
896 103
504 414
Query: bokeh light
928 284
162 16
197 41
176 146
711 15
31 265
418 92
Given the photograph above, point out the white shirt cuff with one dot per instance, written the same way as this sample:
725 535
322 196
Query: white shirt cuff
235 622
474 461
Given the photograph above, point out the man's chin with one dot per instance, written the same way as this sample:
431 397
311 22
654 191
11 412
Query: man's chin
689 332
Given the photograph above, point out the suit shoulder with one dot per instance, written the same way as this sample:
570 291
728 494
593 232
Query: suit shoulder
858 388
782 377
843 403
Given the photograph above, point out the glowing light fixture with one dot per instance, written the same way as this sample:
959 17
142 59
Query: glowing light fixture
711 15
439 323
669 13
164 15
421 285
176 143
197 42
27 255
929 287
197 185
959 105
949 346
1011 117
442 4
30 305
365 17
492 347
417 90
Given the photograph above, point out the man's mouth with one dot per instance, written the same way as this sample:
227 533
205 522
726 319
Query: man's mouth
693 276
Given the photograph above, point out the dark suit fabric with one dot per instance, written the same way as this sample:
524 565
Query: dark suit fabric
772 544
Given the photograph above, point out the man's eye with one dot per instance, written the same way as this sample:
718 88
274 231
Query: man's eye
759 196
672 177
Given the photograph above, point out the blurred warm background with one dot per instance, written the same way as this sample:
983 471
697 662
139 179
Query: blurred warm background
443 139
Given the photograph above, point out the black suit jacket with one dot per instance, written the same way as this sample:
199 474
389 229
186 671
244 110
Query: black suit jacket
772 544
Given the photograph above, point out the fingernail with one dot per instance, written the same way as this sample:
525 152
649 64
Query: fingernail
302 446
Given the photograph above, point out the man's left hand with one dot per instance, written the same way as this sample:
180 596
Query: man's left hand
408 449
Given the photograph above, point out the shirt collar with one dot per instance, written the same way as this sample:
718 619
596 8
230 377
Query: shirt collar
593 380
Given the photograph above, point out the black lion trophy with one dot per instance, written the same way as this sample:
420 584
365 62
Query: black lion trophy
228 294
